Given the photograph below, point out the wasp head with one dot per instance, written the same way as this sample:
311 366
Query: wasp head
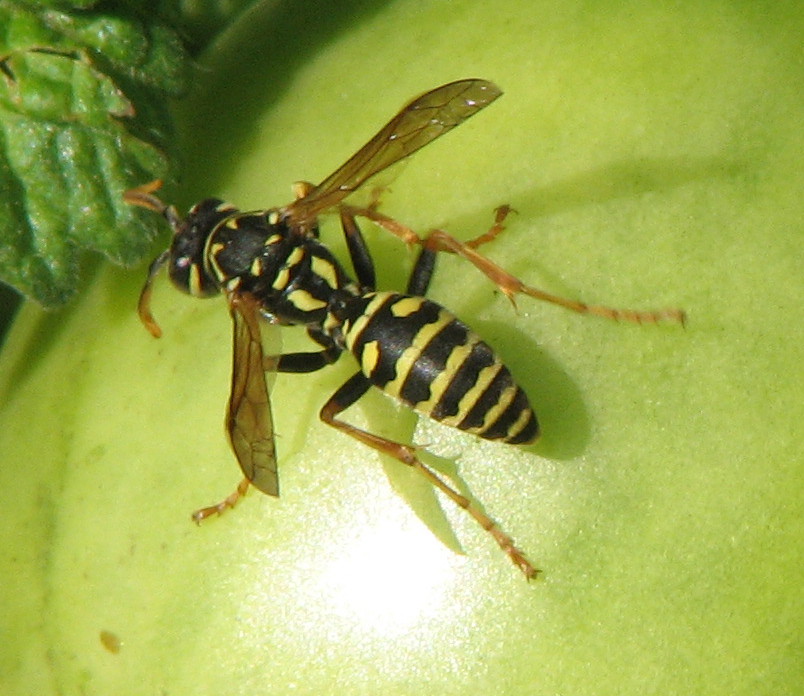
187 263
185 257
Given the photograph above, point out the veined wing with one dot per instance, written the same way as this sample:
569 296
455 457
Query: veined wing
420 122
249 421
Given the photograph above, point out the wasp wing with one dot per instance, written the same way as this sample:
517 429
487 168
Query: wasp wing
249 421
418 123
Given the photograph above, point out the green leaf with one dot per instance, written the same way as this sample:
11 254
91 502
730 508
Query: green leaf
83 117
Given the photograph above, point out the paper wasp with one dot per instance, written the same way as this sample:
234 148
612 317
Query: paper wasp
271 266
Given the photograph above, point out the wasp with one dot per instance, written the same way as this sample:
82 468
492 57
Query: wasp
272 266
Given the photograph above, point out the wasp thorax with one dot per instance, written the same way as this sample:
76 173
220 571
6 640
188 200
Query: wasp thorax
188 268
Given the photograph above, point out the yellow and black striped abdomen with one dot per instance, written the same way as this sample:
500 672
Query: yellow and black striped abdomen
416 351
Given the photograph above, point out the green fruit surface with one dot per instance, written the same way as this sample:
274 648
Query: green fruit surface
653 153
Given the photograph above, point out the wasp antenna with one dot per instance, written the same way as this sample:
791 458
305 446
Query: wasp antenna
144 305
144 197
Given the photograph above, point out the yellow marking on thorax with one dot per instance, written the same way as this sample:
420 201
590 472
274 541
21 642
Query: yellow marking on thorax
332 324
304 301
211 252
294 257
214 248
281 280
283 275
325 270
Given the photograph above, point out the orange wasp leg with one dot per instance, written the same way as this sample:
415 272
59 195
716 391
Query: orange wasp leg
226 504
348 394
440 241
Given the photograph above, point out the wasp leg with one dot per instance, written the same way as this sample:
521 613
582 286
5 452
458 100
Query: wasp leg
308 361
500 213
423 270
438 240
407 235
395 227
422 273
348 394
226 504
358 251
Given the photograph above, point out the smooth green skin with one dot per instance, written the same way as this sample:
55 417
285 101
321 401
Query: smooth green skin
654 158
